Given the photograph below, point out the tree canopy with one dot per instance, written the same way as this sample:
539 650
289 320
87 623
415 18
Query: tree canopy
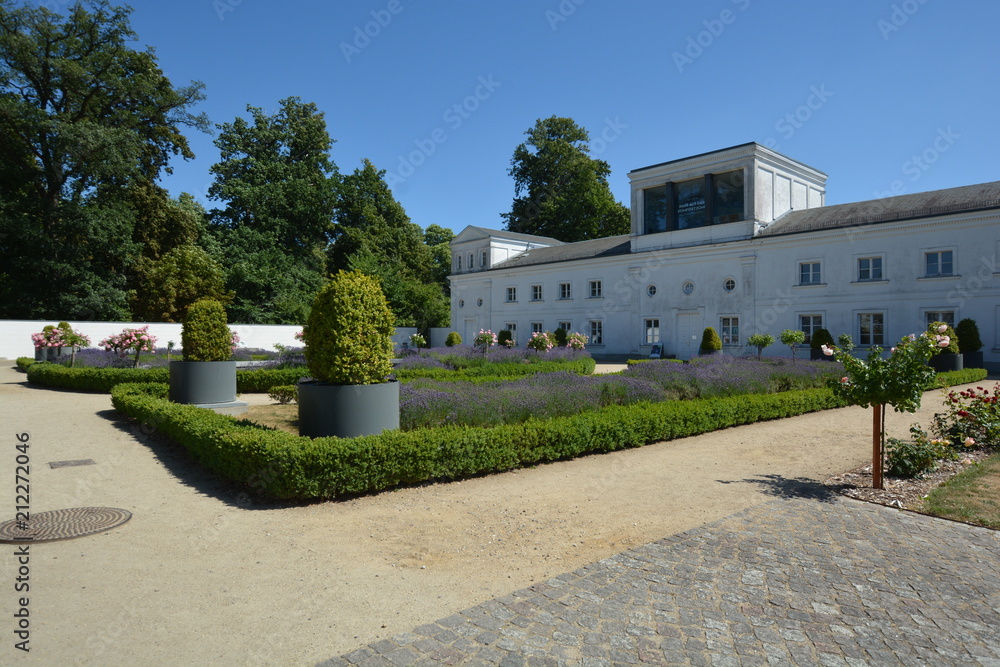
559 190
84 117
278 184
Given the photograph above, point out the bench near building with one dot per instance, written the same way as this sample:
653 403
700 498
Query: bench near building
740 239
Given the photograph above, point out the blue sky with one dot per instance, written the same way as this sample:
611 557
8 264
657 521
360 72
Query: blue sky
881 95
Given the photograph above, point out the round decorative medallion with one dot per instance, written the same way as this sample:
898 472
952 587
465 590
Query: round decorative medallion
687 287
63 524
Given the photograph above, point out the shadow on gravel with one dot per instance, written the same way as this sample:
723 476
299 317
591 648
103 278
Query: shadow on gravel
183 466
790 487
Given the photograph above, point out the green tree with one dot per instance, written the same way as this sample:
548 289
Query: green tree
182 276
559 190
279 185
374 235
438 239
83 117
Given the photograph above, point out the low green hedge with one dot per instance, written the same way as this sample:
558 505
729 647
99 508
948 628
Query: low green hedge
964 376
23 363
284 466
105 379
633 362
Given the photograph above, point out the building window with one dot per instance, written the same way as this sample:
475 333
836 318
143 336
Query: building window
711 199
871 328
651 290
482 261
596 290
536 292
727 197
596 332
479 302
869 268
808 324
566 326
652 328
729 284
511 294
687 287
946 316
461 303
654 209
537 327
472 259
565 291
729 330
809 273
458 262
939 263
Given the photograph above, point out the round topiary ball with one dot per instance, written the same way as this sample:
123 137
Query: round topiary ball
710 341
453 339
348 335
205 335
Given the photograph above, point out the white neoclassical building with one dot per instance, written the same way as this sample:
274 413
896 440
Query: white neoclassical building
740 239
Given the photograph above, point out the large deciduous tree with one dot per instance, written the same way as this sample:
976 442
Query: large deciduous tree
559 190
279 184
83 117
374 235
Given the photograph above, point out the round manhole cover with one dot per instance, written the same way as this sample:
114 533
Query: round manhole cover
63 524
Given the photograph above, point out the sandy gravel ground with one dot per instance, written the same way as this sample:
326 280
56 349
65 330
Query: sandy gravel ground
198 577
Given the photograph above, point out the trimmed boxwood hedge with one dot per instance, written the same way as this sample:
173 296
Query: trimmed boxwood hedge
105 379
23 363
285 466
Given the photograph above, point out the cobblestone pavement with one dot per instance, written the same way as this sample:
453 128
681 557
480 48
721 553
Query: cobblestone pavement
809 580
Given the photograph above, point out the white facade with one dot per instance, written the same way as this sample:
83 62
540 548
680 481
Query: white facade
739 240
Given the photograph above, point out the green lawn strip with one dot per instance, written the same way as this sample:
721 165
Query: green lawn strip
970 496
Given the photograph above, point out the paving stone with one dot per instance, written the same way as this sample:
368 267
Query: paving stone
799 580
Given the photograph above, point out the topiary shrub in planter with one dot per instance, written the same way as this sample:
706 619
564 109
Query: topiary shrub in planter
205 376
560 336
949 359
710 342
348 351
820 338
505 338
453 339
969 343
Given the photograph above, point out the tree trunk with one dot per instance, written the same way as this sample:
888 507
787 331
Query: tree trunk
877 446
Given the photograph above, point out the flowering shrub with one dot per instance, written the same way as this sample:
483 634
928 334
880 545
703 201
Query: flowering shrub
973 414
59 337
898 380
920 454
416 340
945 335
485 339
576 341
505 338
131 340
540 341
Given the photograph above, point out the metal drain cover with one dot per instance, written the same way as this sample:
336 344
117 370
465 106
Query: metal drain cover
63 524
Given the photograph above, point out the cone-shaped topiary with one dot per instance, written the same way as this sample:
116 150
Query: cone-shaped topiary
505 338
968 336
710 341
820 338
348 335
560 336
453 339
205 335
935 329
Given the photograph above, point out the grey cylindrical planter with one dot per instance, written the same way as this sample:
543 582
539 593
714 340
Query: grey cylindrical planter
946 361
347 411
202 382
973 359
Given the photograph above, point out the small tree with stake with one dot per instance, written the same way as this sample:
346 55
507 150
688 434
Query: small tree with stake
898 380
760 341
791 338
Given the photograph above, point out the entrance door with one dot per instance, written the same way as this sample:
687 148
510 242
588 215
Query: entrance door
470 331
688 335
